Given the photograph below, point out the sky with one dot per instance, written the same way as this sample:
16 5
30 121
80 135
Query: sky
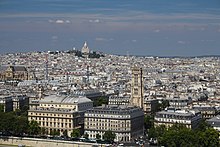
134 27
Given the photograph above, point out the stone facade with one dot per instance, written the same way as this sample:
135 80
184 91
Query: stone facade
126 122
8 73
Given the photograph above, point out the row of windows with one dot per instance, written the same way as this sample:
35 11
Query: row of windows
114 124
173 120
108 115
59 115
52 119
105 120
54 105
58 125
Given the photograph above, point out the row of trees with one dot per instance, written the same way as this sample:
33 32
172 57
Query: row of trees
14 124
108 135
179 135
90 55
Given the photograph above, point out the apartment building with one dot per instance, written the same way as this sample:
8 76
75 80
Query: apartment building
171 116
60 113
126 122
179 103
119 100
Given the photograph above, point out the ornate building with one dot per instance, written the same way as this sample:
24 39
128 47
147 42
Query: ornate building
85 50
137 87
13 73
60 113
171 116
127 122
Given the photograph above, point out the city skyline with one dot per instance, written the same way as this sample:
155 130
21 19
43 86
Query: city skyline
159 28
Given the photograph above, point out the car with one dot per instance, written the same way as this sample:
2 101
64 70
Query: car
120 145
153 141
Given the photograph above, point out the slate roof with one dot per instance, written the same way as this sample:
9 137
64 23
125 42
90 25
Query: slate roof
64 99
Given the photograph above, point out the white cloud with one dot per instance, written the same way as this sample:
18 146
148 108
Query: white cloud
67 21
103 39
134 40
94 21
59 21
54 37
50 21
157 31
181 42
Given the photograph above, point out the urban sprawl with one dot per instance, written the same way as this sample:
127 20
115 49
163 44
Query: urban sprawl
93 95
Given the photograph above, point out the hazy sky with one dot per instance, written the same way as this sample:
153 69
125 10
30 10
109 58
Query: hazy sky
138 27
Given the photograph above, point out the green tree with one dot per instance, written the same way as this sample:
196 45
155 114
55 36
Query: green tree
33 128
211 137
20 125
109 136
100 101
75 133
43 131
55 133
65 134
179 135
164 104
86 135
203 125
148 122
8 122
78 53
1 108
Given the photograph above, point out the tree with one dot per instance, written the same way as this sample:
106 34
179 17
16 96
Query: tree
98 136
211 137
75 133
148 122
86 135
179 135
164 104
109 136
65 134
55 133
78 53
20 125
1 108
33 128
100 101
203 125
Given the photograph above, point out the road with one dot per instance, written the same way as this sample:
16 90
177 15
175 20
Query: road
1 145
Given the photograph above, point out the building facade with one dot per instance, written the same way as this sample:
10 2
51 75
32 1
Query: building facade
13 102
60 113
119 100
6 102
206 111
126 122
8 73
214 122
179 103
137 87
150 105
169 117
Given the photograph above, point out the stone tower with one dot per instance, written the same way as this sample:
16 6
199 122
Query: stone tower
137 87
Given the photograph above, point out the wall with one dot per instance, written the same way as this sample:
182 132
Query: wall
36 142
